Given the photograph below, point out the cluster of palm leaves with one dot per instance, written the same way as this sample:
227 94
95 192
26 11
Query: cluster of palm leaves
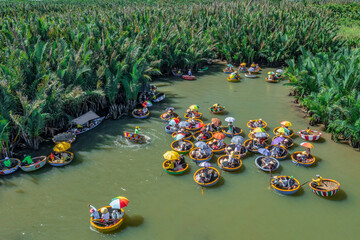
60 59
328 86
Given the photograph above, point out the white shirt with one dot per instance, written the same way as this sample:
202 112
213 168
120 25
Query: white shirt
105 216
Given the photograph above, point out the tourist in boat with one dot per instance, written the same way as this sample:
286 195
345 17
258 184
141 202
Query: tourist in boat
105 215
231 159
318 181
203 135
276 151
259 123
27 160
234 75
278 75
229 68
270 76
231 129
268 164
169 114
182 146
94 213
242 67
169 165
303 156
206 175
189 72
257 68
307 131
137 130
251 69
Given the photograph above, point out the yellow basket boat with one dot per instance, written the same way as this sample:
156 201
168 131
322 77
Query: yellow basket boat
106 229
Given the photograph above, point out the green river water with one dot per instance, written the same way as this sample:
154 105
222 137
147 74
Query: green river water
52 202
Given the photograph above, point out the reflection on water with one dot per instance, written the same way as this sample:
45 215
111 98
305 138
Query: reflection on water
52 202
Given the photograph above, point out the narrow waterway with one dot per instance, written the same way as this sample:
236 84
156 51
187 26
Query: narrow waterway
52 202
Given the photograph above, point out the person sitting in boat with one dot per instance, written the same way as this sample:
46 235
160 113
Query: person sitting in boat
229 68
169 165
292 182
27 160
251 69
307 131
242 67
259 123
276 151
137 130
259 142
268 164
116 214
318 181
234 75
285 143
213 145
182 146
231 128
278 75
189 72
94 212
182 161
257 68
232 160
270 76
105 215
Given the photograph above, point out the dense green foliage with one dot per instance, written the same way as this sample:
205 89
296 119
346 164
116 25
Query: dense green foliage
328 86
60 59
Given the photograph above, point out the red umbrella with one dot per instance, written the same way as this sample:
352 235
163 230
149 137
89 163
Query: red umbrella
219 135
176 120
201 125
216 121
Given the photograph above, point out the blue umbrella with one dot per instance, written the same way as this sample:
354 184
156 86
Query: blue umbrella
238 140
230 119
184 124
169 108
264 152
205 164
201 145
260 135
277 140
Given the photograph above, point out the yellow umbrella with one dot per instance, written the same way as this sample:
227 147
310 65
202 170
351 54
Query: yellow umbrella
286 123
171 155
62 146
283 130
259 129
194 107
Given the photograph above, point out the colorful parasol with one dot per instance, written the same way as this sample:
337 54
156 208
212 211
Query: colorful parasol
216 121
229 65
147 104
199 125
169 108
277 140
171 155
260 135
230 119
174 121
62 146
307 145
219 135
201 145
179 136
283 130
259 129
184 124
194 107
286 123
119 202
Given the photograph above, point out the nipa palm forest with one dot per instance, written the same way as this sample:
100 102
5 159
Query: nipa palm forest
59 59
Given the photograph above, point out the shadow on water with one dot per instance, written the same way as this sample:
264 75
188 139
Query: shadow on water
242 169
129 221
339 196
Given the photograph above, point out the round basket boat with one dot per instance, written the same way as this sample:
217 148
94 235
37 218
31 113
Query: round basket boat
177 172
310 137
227 72
135 115
162 116
212 182
198 116
233 79
265 139
69 156
225 130
287 191
189 145
219 110
251 76
135 138
284 152
243 150
15 163
38 162
159 97
116 223
280 134
260 159
310 161
271 80
64 137
195 129
188 135
229 169
187 77
289 143
251 126
328 188
170 131
218 151
250 147
209 136
243 70
199 160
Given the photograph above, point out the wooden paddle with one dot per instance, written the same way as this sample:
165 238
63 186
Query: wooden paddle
305 183
270 179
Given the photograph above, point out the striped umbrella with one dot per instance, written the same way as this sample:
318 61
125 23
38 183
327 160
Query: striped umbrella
307 145
119 202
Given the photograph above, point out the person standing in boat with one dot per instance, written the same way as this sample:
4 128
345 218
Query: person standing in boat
137 130
189 72
251 69
94 213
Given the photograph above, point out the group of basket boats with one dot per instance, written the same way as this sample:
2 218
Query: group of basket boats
329 188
